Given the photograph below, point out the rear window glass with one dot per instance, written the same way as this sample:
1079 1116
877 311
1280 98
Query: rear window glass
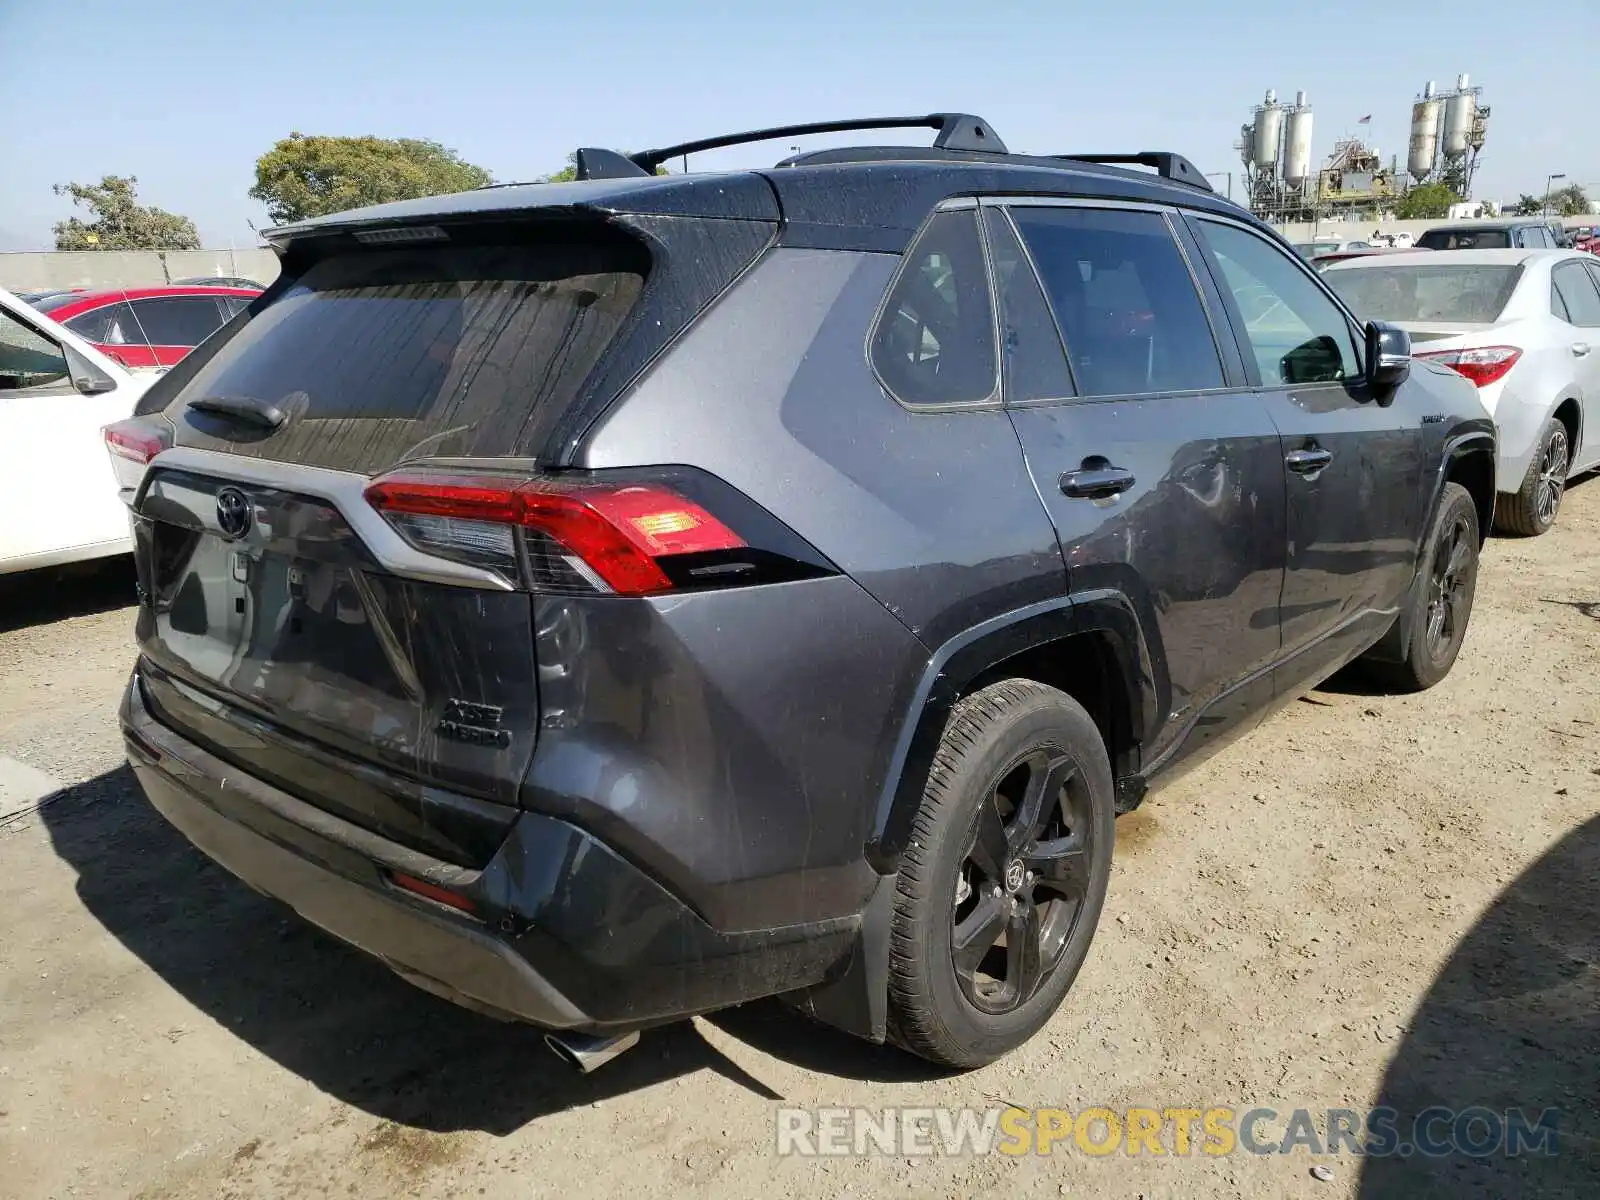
1425 293
1465 239
383 355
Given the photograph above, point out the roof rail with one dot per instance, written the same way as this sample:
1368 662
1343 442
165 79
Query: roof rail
1167 164
957 131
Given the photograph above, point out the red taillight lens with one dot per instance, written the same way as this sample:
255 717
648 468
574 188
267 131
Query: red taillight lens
616 532
1483 365
432 891
133 440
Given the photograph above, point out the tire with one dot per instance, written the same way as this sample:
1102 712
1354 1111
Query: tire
1051 874
1532 510
1447 576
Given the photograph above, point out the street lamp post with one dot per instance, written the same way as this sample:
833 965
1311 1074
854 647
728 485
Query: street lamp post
1229 174
1549 179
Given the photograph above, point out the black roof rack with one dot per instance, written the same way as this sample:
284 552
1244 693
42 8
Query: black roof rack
1167 164
961 135
957 131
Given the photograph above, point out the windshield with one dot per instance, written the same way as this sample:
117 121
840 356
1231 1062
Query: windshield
1473 293
1312 249
1465 239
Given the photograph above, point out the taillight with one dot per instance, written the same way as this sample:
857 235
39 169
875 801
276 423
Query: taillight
132 444
629 537
1483 365
134 440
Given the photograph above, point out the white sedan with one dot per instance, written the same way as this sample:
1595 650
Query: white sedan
59 499
1524 326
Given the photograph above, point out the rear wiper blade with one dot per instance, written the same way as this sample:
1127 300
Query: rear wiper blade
262 413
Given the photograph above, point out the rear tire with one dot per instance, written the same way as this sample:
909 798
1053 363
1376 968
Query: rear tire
1441 602
1532 510
1005 874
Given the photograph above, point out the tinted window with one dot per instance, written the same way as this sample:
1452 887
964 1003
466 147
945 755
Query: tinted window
1035 364
455 349
1296 333
1425 293
1465 239
1124 300
177 320
28 359
935 341
108 325
1577 291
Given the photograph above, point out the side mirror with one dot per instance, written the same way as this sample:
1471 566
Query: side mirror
1388 358
89 379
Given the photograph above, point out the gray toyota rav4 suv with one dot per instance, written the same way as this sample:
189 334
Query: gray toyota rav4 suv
611 601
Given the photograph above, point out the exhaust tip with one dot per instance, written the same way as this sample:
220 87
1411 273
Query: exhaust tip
589 1054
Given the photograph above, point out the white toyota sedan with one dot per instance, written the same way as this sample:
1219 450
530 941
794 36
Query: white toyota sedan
1524 326
59 499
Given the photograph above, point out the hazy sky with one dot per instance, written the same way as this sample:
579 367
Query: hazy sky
185 94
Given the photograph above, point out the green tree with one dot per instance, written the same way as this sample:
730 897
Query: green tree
1527 206
120 221
1427 201
1570 201
310 175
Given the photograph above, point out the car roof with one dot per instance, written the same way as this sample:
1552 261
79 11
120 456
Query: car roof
1498 223
1451 258
82 302
882 198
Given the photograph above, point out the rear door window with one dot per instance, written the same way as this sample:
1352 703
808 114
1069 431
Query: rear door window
177 320
1576 289
934 344
1124 299
379 355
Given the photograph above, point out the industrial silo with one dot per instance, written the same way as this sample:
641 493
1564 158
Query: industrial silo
1459 111
1424 134
1268 129
1297 143
1247 148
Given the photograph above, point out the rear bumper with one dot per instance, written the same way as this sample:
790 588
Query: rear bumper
565 934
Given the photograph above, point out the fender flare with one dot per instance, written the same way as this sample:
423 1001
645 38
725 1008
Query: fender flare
964 658
1396 643
857 999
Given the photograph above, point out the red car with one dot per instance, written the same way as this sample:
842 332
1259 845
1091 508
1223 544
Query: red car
146 327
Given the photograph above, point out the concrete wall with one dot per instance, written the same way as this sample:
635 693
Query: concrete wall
1360 231
37 271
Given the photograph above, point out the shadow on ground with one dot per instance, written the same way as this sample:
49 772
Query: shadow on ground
55 593
1511 1022
343 1022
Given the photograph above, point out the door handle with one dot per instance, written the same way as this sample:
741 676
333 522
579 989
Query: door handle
1307 462
1580 348
1095 483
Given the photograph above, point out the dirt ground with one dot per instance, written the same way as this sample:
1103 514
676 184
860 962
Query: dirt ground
1370 900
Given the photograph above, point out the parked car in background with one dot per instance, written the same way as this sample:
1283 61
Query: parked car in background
1316 249
58 494
1524 326
222 281
615 600
33 298
1322 261
146 327
1521 233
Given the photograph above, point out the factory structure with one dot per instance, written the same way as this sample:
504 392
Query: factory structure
1282 185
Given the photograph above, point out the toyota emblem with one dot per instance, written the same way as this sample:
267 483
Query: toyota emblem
234 512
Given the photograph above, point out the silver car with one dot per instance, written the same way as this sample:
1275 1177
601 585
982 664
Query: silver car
1524 325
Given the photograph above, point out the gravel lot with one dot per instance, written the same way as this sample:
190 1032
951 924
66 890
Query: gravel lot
1369 900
